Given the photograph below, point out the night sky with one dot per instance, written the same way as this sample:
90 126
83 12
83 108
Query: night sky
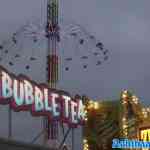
123 27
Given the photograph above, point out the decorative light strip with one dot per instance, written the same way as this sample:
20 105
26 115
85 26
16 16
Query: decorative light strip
85 144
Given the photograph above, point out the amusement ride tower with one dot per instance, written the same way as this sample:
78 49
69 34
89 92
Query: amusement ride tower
52 35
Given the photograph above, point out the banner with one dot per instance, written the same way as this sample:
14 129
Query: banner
22 94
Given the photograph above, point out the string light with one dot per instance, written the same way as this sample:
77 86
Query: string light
86 114
135 99
124 97
85 144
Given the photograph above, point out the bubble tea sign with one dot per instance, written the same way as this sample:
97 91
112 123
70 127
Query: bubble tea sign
22 94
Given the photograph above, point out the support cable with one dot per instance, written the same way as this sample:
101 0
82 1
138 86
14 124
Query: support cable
64 139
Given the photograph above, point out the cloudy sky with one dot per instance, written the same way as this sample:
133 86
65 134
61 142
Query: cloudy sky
123 27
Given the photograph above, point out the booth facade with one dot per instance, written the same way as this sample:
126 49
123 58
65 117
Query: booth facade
106 120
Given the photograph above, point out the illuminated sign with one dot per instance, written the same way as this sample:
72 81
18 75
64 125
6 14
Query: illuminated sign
145 134
23 94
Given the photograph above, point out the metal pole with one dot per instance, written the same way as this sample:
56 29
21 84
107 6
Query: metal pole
9 123
52 72
72 138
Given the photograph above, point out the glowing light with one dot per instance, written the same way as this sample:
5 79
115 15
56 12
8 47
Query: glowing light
124 96
85 144
93 105
145 134
84 140
148 109
86 119
125 126
135 99
125 92
124 119
90 104
96 105
86 114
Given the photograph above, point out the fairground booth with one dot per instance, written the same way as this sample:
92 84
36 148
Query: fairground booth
107 120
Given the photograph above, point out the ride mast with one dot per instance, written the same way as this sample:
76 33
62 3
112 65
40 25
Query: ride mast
52 34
